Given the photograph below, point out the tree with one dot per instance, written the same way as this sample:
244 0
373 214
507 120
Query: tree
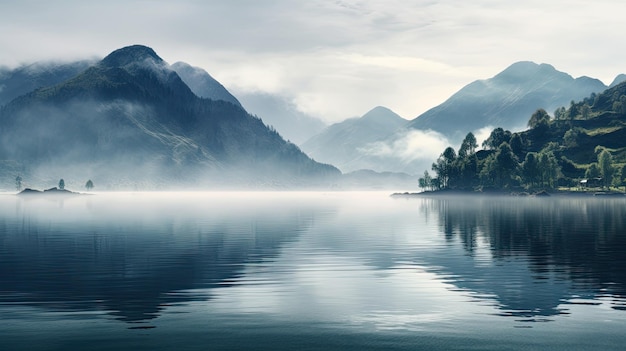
449 154
585 111
572 136
623 176
468 146
573 110
539 119
501 168
517 144
593 171
605 163
18 183
426 182
436 183
506 165
530 170
89 185
496 138
61 184
549 167
445 166
467 171
619 105
560 113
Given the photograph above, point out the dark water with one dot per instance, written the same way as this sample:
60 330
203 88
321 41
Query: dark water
311 271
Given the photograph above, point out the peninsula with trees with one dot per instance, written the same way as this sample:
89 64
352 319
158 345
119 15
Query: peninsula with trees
579 147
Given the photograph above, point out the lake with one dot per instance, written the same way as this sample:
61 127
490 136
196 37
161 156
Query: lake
311 271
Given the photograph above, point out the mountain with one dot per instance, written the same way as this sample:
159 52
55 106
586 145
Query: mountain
202 84
26 78
619 79
283 115
507 100
274 110
130 121
339 144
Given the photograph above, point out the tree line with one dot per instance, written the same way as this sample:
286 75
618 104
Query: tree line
523 161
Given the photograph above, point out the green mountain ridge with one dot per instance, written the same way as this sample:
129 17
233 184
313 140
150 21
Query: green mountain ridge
583 142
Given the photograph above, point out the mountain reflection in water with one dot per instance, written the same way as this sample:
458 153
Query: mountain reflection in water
364 267
134 256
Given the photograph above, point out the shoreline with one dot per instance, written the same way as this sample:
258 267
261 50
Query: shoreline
498 193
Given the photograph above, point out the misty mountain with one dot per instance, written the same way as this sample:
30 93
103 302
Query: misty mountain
275 111
202 84
619 79
26 78
507 100
339 144
131 121
283 115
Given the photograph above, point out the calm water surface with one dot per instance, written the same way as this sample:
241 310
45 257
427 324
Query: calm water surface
311 271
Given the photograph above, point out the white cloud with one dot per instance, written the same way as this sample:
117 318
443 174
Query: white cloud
414 150
403 63
334 58
482 134
410 145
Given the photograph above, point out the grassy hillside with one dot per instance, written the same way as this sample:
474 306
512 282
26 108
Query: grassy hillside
586 140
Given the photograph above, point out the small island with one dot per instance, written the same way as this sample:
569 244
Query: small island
52 191
55 191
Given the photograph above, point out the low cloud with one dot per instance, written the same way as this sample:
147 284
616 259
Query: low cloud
413 150
409 146
482 134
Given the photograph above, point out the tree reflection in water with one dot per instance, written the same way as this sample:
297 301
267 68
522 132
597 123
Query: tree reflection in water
569 248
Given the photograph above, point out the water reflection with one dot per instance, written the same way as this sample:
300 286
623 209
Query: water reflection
131 256
540 256
342 260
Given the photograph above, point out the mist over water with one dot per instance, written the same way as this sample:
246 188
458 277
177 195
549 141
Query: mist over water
310 270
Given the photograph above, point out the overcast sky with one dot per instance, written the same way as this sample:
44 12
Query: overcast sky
335 59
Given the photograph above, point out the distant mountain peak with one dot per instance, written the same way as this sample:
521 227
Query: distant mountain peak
619 79
379 109
341 143
506 100
129 55
381 114
522 69
522 65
